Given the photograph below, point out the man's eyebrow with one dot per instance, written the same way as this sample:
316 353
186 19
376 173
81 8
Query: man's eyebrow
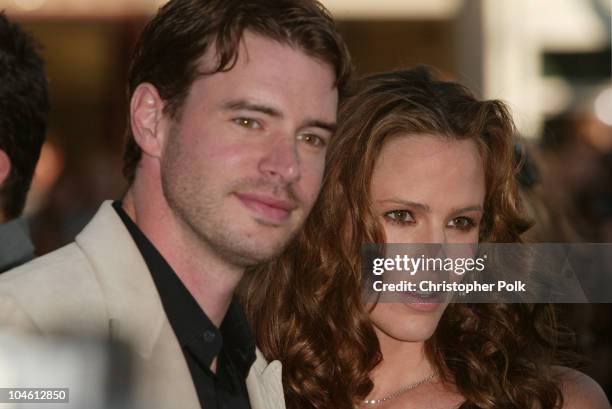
243 104
316 123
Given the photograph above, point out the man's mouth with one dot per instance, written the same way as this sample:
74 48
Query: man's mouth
269 207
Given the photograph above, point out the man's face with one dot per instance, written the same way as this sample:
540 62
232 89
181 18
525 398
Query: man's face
243 163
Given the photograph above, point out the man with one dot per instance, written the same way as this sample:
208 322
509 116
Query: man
24 105
232 103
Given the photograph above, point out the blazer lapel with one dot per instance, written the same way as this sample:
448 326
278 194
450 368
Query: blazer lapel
131 298
168 380
135 312
265 384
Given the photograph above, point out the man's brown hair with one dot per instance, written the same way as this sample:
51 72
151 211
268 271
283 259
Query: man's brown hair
173 42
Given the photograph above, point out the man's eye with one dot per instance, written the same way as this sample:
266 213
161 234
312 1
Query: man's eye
462 223
311 139
248 123
399 217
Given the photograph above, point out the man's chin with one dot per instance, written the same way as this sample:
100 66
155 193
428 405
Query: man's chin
258 254
256 243
252 259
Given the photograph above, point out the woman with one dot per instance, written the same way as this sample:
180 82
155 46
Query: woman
415 160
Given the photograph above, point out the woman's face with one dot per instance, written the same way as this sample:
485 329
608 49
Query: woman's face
425 189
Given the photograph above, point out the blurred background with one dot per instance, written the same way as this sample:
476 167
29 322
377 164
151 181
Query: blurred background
550 60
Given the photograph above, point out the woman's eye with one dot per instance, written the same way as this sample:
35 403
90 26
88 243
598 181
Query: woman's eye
399 217
312 140
248 123
462 223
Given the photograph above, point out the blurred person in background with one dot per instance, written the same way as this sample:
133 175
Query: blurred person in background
570 200
550 223
24 107
576 162
232 105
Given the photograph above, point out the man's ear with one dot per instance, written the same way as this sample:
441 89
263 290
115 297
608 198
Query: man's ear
5 166
146 114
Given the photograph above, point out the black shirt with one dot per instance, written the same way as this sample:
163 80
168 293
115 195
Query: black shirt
200 340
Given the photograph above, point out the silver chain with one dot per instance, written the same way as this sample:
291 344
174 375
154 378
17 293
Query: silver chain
400 391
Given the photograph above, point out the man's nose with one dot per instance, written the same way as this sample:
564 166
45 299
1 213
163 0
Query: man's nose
280 160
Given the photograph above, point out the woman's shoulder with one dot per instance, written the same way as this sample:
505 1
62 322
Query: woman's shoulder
580 390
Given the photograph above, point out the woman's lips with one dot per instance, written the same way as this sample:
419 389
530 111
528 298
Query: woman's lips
425 302
268 207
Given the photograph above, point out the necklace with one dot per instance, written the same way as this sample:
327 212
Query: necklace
400 391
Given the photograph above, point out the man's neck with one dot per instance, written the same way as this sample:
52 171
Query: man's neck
209 279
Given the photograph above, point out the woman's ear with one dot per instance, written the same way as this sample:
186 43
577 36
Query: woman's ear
146 114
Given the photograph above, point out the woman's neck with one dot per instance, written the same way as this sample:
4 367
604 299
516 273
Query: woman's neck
403 363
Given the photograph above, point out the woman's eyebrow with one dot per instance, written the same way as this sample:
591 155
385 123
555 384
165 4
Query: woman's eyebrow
407 203
472 208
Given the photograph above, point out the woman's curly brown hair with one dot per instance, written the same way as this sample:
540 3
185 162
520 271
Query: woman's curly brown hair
306 307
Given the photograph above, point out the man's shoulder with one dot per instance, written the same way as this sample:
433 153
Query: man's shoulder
53 292
70 271
48 272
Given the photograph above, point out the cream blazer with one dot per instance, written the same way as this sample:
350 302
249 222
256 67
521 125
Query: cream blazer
100 285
